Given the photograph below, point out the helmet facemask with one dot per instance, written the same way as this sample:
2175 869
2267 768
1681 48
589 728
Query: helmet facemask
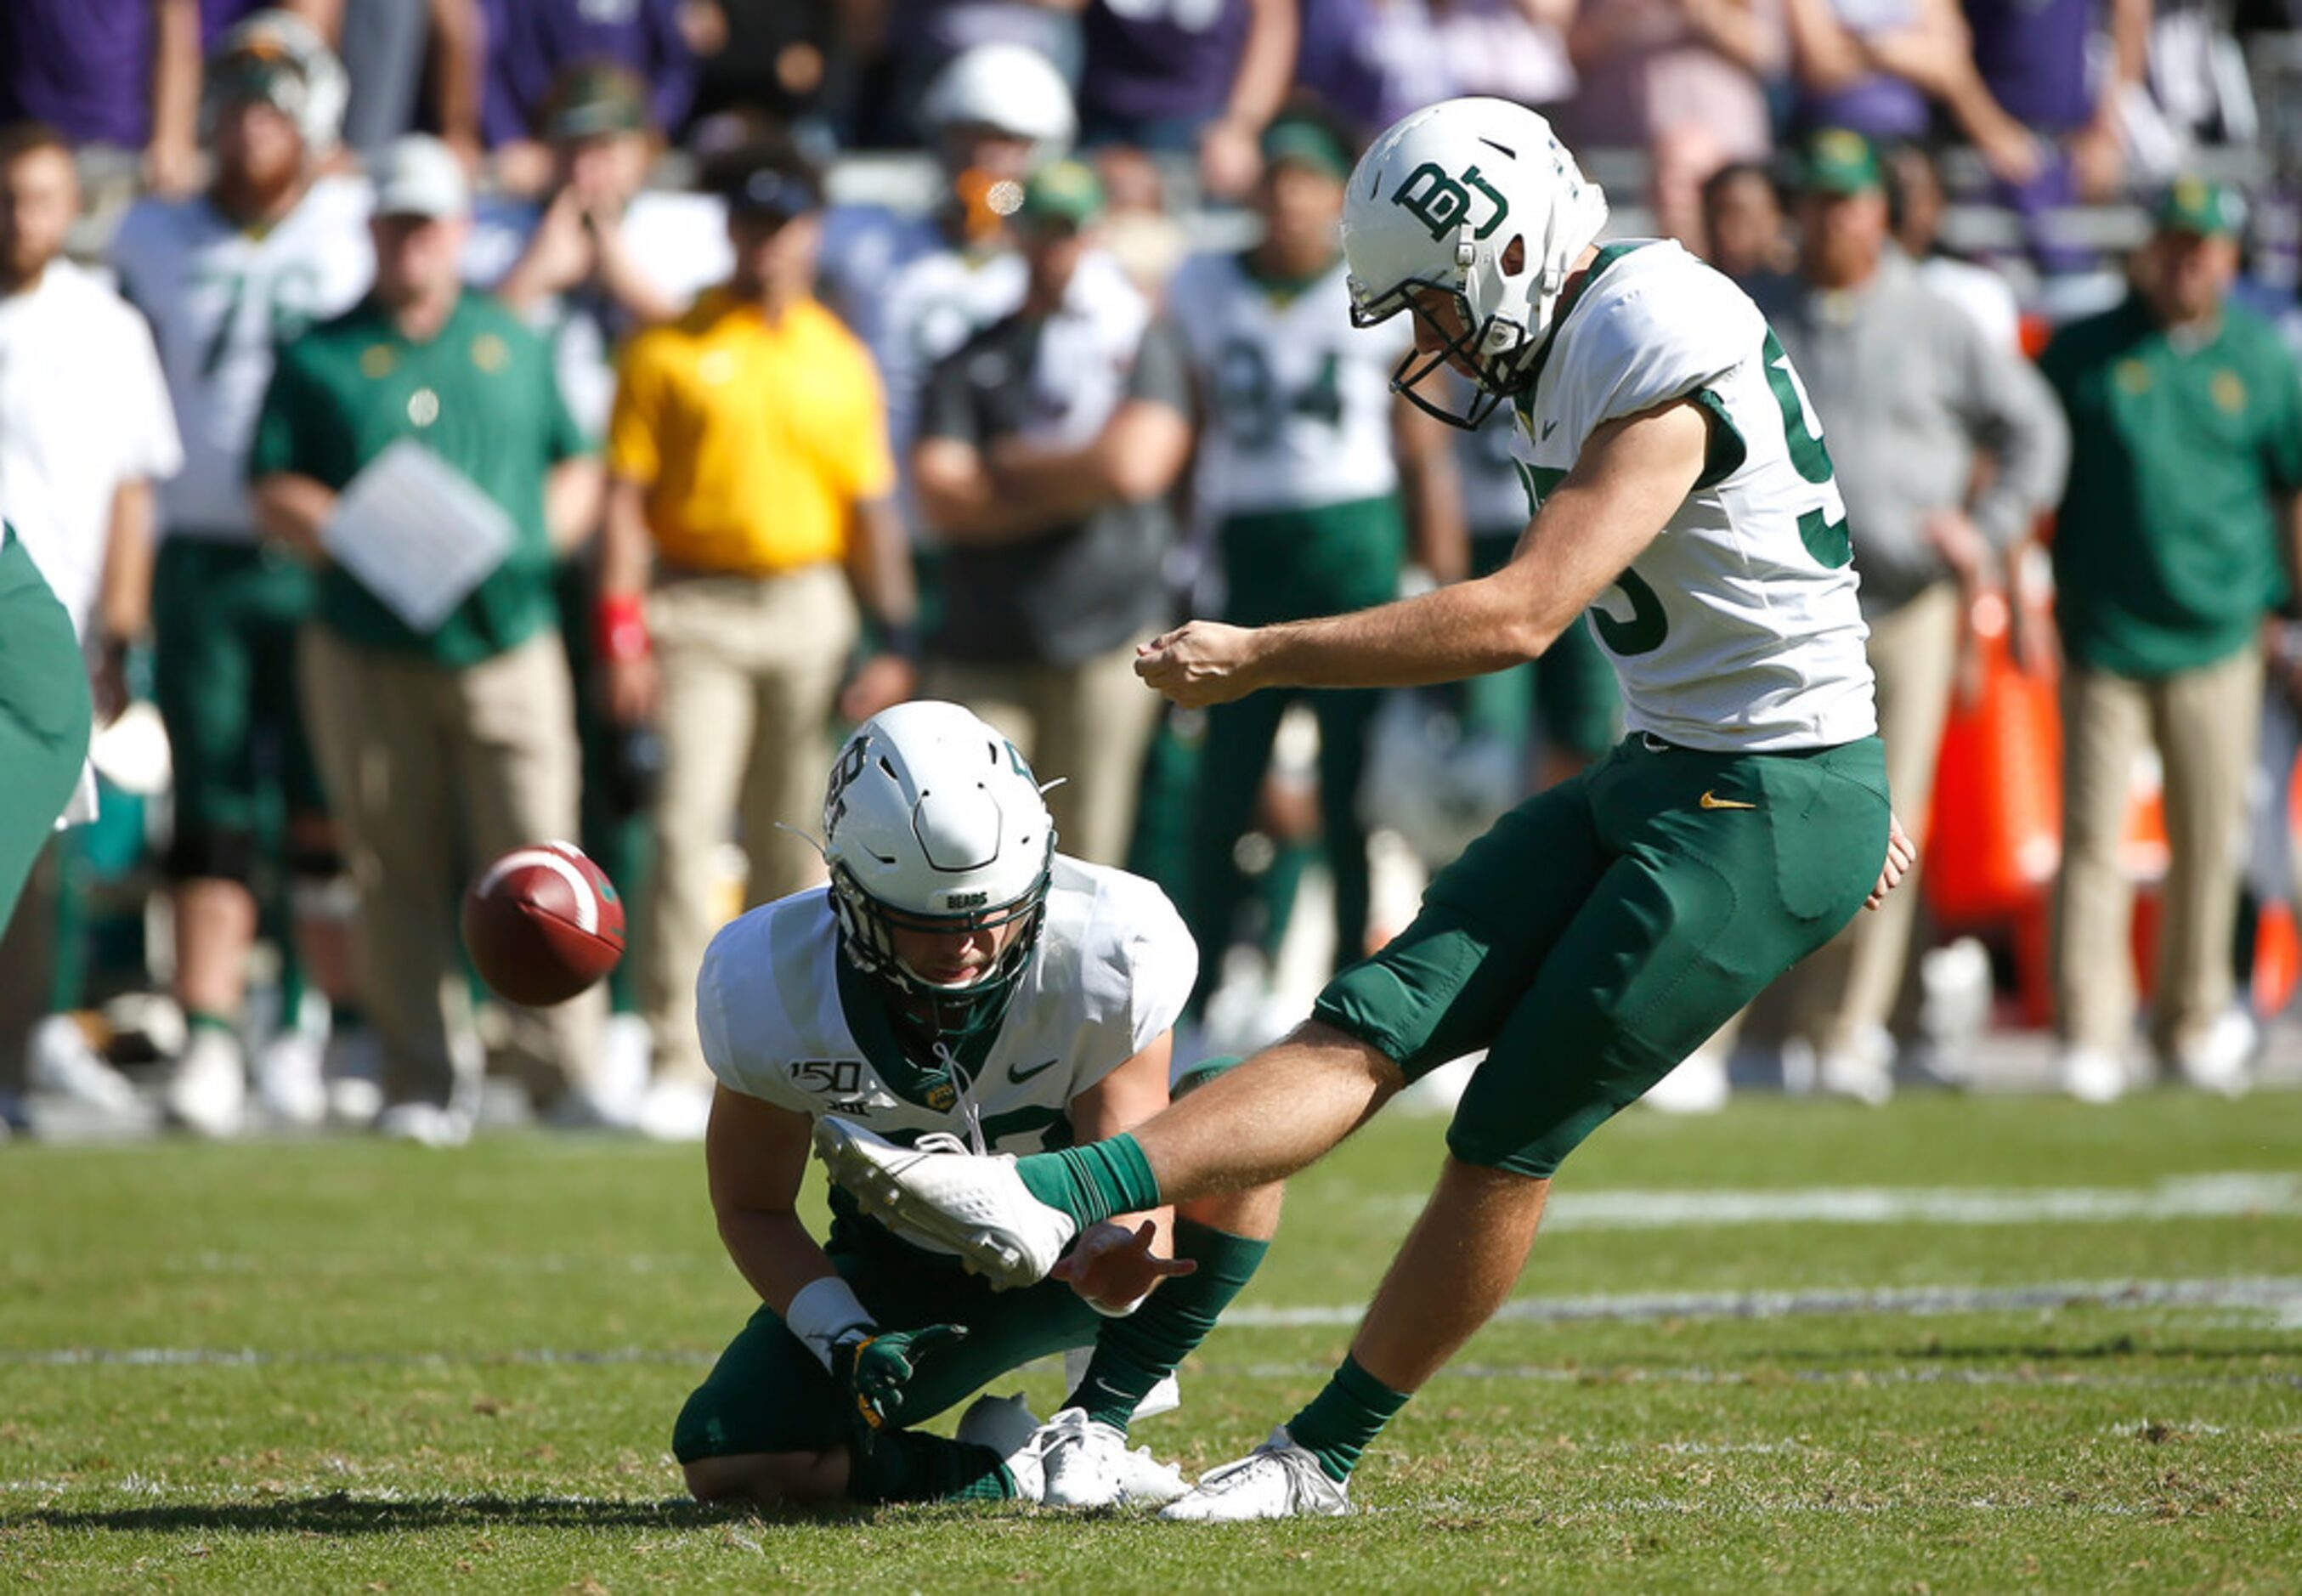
950 1013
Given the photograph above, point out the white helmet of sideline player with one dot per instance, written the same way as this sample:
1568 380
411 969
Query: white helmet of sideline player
933 822
1435 207
277 56
1009 87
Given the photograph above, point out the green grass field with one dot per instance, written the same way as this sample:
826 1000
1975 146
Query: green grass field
1960 1344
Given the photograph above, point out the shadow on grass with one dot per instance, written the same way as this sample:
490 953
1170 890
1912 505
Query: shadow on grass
340 1513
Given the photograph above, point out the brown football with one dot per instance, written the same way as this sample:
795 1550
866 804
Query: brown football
544 923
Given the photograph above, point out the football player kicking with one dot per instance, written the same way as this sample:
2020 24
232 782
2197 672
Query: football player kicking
959 983
1601 930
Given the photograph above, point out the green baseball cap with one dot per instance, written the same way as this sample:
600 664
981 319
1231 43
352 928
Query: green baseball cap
1063 191
2198 204
592 99
1839 161
1300 139
252 77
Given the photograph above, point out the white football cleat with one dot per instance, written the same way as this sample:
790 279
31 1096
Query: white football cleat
674 1111
208 1093
426 1124
2216 1061
1087 1464
59 1059
1699 1085
290 1084
2091 1074
1277 1480
969 1204
1849 1072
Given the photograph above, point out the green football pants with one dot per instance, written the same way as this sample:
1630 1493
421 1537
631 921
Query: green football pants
225 616
1603 930
1283 566
45 716
768 1394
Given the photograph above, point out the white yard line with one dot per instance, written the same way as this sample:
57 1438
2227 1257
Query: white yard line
2234 1194
2280 1296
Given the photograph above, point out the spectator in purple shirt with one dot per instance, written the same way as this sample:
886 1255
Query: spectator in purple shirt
529 41
1205 75
125 73
2032 56
1875 67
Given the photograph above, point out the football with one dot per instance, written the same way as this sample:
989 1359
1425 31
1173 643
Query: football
543 924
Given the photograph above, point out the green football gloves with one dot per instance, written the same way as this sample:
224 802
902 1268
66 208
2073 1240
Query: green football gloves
877 1369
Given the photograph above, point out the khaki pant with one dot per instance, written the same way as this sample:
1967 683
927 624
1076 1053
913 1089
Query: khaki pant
1087 724
752 668
2205 724
1845 990
432 773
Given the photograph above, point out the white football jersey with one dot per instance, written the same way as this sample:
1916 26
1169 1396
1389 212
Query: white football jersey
1737 628
933 303
1113 969
1300 399
217 298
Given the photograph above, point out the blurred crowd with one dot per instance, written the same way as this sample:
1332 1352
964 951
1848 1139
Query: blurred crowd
459 423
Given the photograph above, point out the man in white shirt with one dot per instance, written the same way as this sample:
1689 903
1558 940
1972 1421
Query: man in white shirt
85 428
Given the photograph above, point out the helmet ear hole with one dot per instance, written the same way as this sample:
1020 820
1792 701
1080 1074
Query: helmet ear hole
1512 260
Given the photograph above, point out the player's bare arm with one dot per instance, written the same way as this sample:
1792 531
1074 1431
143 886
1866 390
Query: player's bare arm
755 1157
1631 476
1116 1264
879 570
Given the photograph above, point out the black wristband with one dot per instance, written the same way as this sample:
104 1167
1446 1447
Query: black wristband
902 640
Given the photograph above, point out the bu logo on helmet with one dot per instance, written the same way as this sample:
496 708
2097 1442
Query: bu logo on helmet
1441 202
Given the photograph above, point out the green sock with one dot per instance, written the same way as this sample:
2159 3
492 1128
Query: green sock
1343 1419
1093 1182
1134 1353
209 1019
910 1465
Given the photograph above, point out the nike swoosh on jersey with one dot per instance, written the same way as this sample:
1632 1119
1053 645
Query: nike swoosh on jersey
1020 1076
1549 427
1711 799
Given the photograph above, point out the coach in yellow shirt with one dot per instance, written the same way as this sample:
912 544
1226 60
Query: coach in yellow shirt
749 509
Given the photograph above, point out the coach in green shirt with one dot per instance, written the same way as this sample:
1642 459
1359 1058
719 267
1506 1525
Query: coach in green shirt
2173 540
440 749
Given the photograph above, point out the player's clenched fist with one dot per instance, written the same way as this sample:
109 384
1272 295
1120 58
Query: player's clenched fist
1198 663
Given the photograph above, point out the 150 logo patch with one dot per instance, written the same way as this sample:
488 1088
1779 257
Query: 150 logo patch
843 1076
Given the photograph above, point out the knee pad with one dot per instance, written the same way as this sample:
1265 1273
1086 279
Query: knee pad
204 853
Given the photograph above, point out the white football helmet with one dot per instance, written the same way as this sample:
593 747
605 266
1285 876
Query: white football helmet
1435 206
1009 87
932 821
317 87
